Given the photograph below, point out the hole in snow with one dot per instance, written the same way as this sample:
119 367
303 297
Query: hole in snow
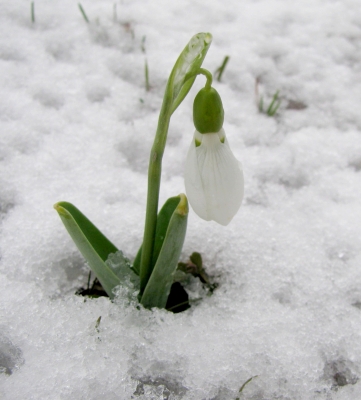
6 202
295 181
10 54
10 356
296 105
5 207
340 373
356 164
357 304
98 94
283 295
61 51
49 100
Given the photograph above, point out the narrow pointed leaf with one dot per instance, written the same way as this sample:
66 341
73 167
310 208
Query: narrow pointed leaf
158 288
163 219
93 245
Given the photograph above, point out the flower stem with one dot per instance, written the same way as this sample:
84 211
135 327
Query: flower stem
154 176
208 75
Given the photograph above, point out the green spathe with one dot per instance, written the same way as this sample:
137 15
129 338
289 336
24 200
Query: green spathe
208 114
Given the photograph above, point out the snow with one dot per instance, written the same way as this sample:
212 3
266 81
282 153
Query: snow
77 124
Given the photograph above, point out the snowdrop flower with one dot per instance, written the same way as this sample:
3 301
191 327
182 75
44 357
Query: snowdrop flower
213 176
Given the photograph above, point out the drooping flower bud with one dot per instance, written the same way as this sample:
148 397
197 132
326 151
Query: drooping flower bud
208 114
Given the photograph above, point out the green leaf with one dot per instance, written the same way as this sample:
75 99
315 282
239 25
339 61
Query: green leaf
158 288
221 69
274 105
186 67
93 245
136 262
245 384
163 219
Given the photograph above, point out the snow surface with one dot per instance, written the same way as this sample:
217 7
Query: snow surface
77 124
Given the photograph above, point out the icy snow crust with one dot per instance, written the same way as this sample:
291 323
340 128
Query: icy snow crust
77 124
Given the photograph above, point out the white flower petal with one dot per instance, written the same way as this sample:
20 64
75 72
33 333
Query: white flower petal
193 181
213 178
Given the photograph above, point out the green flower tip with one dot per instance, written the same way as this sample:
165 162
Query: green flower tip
207 37
61 210
208 113
182 207
58 207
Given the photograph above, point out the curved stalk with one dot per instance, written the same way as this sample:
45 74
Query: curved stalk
154 177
